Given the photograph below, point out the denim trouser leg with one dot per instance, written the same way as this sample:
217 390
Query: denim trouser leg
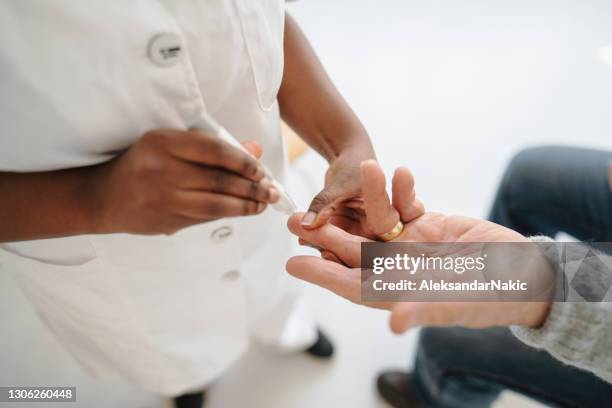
550 189
463 368
545 190
438 390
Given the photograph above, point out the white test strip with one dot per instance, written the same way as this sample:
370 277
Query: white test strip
206 123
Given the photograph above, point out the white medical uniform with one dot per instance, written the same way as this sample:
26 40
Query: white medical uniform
80 81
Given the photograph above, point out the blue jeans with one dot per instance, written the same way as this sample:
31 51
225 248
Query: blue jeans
552 189
545 190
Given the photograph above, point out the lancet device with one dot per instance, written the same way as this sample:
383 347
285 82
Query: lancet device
206 123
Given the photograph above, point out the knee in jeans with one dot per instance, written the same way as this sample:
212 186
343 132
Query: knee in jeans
447 344
434 342
523 165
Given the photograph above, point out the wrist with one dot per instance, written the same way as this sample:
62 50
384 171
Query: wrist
93 205
357 147
537 314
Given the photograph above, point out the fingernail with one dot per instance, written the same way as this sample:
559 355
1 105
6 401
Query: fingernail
260 207
273 195
259 173
265 183
309 218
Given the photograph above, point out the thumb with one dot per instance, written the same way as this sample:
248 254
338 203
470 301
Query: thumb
403 317
253 147
322 207
408 315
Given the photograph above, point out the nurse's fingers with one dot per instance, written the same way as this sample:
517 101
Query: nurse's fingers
206 206
381 217
341 280
404 195
214 179
345 246
201 148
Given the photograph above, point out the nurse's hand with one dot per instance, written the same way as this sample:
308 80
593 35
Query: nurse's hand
380 214
342 192
172 179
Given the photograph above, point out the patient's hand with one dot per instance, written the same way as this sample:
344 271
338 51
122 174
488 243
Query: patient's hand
340 272
377 215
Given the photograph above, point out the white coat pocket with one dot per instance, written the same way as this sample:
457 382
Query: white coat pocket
69 251
263 23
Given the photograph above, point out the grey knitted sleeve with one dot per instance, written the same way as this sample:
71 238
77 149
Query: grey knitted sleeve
576 333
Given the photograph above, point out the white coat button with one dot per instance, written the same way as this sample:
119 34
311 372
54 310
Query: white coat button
165 49
231 275
221 233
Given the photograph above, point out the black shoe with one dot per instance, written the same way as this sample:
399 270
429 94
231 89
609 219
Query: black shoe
322 348
194 400
394 387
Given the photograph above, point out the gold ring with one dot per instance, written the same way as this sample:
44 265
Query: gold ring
394 233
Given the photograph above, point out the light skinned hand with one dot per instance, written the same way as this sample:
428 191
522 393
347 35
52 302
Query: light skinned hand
339 267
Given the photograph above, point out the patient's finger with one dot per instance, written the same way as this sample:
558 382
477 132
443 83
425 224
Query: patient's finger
345 246
341 280
380 215
404 195
330 256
